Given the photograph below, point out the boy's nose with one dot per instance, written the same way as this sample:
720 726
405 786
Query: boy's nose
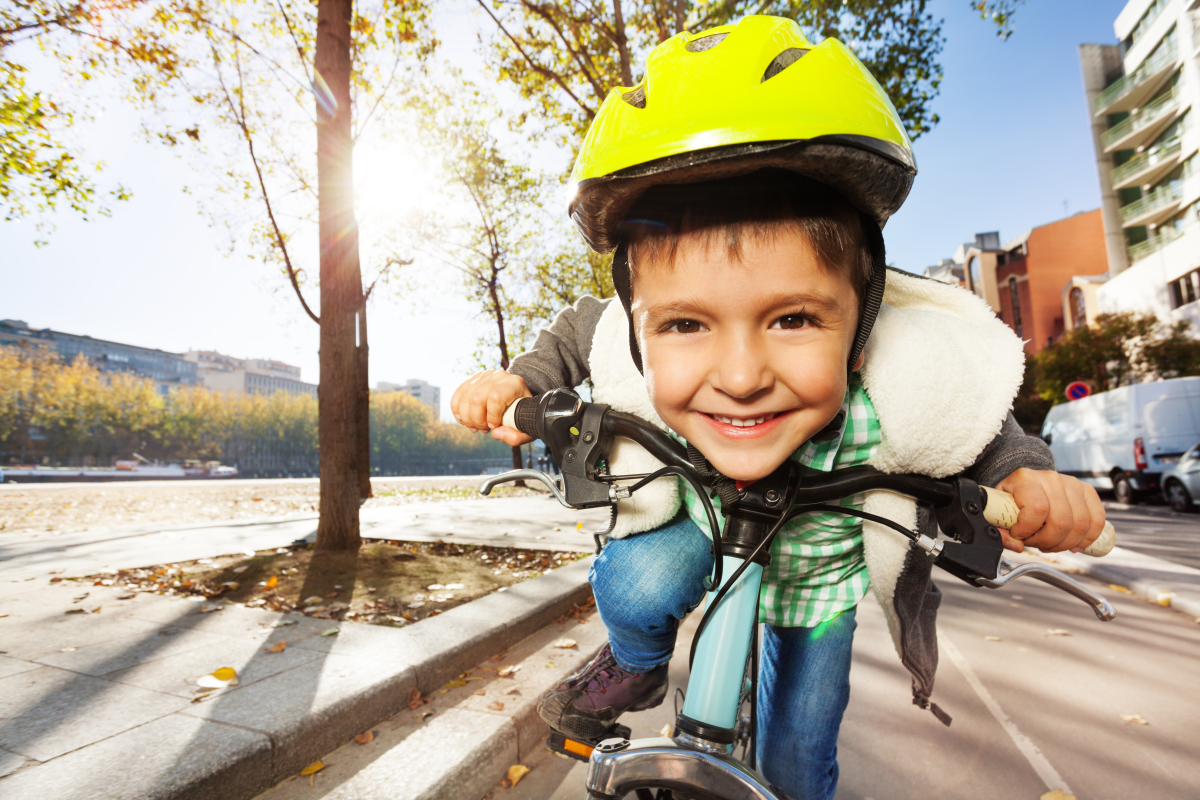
742 369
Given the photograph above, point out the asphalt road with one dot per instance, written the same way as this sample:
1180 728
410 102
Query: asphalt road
1032 711
1159 532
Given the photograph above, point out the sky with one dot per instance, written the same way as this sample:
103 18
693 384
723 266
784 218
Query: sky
1013 150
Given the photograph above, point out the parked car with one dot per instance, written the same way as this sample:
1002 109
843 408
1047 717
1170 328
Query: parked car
1122 440
1181 482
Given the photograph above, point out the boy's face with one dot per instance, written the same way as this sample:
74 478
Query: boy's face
745 359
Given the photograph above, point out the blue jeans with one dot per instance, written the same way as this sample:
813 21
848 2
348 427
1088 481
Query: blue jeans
645 584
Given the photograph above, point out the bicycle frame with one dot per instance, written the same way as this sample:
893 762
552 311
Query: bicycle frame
697 761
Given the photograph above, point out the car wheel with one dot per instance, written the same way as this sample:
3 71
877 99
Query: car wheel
1123 489
1178 497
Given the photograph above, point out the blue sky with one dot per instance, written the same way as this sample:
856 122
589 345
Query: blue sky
1013 146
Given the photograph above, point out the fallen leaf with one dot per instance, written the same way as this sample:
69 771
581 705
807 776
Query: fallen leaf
1057 632
81 597
451 685
516 772
509 671
278 647
283 622
332 594
1136 719
480 692
666 731
96 610
1164 598
578 526
218 679
5 614
239 570
55 580
316 598
1057 794
74 611
1120 588
272 581
129 596
365 738
68 650
505 783
230 586
496 705
565 643
313 768
414 698
991 639
210 609
330 632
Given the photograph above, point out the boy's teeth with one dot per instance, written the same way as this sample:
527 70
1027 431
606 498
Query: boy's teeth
743 423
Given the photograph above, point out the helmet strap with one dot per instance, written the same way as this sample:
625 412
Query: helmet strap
868 306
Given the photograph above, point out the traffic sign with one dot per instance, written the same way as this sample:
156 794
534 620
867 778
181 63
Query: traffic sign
1078 390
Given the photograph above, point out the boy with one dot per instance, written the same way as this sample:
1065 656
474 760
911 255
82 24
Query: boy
743 186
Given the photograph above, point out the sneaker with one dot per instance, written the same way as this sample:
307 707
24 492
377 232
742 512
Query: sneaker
585 705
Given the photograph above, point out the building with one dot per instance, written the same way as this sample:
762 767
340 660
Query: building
167 370
230 375
1034 271
427 393
1026 281
1142 94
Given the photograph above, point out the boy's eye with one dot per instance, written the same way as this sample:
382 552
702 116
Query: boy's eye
791 322
685 326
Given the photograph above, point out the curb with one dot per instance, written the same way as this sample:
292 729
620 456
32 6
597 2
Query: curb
1184 595
240 743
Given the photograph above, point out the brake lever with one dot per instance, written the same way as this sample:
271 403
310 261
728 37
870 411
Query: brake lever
553 484
1104 609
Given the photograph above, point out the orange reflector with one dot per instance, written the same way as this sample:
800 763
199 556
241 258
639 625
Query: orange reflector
578 748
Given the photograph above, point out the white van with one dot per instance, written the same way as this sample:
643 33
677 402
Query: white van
1123 439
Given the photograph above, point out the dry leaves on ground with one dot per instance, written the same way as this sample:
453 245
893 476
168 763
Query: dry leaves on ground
1134 719
509 671
1057 794
414 698
496 705
365 738
565 644
515 773
278 647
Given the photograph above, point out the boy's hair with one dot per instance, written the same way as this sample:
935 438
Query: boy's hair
755 207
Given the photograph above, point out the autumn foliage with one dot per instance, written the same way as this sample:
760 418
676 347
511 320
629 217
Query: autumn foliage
73 413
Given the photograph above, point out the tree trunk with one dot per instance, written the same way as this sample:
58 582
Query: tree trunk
622 44
680 15
363 408
341 283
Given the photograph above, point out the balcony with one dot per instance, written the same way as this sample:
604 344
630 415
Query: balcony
1160 239
1153 207
1149 166
1141 127
1133 89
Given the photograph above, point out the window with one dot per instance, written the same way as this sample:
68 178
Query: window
1078 308
975 270
1014 295
1185 289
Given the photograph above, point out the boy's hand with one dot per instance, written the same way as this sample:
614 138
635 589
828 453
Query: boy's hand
481 401
1057 512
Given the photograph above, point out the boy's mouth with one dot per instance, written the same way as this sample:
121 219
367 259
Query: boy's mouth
745 427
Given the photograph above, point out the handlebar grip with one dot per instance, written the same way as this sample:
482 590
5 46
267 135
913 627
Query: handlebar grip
1001 510
522 415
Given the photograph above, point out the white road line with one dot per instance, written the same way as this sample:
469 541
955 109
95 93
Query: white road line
1033 755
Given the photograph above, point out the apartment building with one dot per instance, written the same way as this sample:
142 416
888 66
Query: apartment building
167 370
230 375
426 392
1142 94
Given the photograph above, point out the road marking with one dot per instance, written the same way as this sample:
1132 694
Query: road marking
1033 755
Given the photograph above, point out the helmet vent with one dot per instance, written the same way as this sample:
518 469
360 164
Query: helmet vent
705 43
636 98
783 61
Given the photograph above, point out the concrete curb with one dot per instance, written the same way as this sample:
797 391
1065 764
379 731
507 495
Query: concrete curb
1146 576
242 742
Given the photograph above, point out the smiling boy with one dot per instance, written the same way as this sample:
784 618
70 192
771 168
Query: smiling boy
756 320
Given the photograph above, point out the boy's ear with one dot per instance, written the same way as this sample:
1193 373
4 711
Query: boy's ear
858 362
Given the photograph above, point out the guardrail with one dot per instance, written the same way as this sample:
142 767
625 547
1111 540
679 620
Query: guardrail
1144 161
1146 116
1122 86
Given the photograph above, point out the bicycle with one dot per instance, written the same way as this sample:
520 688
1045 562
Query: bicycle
697 763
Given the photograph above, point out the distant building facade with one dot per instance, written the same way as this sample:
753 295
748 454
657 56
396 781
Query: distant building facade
1027 280
427 393
1142 94
167 370
230 375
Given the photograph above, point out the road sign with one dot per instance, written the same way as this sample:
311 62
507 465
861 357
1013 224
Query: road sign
1078 390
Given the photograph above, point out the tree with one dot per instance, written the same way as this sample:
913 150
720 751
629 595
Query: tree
502 224
1118 349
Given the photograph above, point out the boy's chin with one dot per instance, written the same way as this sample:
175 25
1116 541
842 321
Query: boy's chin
743 468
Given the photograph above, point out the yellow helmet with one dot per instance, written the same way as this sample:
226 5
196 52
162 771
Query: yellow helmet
734 99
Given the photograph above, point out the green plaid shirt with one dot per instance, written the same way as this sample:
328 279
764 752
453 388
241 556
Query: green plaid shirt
817 567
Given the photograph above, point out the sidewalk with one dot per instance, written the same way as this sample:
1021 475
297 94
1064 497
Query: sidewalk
1153 579
98 695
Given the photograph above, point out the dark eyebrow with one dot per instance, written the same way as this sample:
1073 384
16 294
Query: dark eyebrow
813 301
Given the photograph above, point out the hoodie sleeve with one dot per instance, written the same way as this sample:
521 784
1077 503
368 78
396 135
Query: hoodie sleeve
1011 450
559 356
